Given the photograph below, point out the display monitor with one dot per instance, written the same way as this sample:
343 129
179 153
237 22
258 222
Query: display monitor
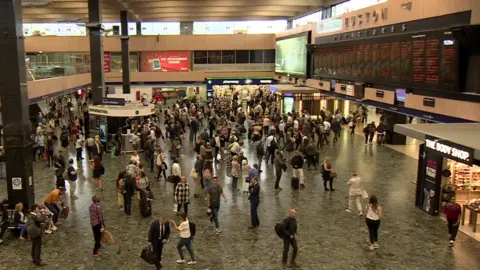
400 94
333 83
291 55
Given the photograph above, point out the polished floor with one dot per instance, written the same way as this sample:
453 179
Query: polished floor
328 237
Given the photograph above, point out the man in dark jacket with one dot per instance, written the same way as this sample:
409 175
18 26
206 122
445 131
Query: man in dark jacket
35 230
129 191
336 128
290 238
254 198
193 130
158 235
204 136
279 167
297 164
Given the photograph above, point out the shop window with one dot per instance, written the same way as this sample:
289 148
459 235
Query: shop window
242 57
200 57
228 57
269 56
256 56
214 57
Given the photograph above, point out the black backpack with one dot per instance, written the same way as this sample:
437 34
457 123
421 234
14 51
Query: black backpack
274 144
193 229
280 230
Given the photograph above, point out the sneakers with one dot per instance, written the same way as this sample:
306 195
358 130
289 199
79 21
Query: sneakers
95 254
180 261
54 228
450 244
360 214
371 247
218 231
192 263
48 231
376 245
348 210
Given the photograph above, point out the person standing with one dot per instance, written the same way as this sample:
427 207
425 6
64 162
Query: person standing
236 172
78 146
158 235
327 174
98 171
185 239
272 146
128 191
290 238
355 193
260 153
297 164
213 197
373 214
279 167
453 211
35 232
97 222
182 195
254 198
72 176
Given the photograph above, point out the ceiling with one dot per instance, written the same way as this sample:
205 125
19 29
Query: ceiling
170 10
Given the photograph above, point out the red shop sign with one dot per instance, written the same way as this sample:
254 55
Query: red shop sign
107 67
165 61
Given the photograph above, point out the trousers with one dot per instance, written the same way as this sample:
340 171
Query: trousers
286 246
36 249
97 236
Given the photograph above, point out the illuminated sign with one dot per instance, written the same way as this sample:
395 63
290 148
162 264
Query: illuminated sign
450 150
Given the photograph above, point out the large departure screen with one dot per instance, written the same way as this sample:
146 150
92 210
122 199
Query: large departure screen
426 60
291 55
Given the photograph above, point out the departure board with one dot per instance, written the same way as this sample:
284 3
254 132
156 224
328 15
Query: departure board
425 60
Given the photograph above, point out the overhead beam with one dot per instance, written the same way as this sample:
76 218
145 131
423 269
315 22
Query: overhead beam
135 4
224 14
200 18
220 9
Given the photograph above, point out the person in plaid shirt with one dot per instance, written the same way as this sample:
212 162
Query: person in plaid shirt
96 220
182 195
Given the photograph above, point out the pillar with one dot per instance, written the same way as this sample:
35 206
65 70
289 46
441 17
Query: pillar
125 52
139 28
96 50
186 28
14 100
391 119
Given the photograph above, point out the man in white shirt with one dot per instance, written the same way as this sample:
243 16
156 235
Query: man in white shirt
296 124
281 129
271 147
327 126
135 140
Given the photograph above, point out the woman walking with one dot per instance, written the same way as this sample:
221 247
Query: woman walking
355 192
236 171
120 184
245 176
327 174
98 171
185 238
373 214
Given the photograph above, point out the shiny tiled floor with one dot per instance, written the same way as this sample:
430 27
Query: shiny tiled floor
328 237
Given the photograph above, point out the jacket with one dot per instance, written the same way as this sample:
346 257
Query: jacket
34 225
154 236
279 163
297 162
254 196
289 227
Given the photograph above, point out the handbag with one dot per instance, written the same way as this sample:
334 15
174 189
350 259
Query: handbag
148 255
194 173
107 238
333 174
64 213
364 194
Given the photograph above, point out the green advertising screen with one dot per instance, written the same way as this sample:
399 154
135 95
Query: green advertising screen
291 55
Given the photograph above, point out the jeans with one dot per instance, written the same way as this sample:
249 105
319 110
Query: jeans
97 235
53 207
185 208
286 246
453 225
254 214
271 154
79 153
325 180
128 204
159 173
278 177
234 182
373 226
214 216
357 199
187 242
311 161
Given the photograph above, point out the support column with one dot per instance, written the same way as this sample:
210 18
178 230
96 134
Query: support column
125 52
14 100
139 28
96 50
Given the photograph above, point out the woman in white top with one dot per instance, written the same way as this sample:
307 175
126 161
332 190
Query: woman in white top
373 214
355 193
185 238
135 157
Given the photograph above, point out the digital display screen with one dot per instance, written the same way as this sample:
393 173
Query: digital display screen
288 104
291 55
332 85
400 94
427 60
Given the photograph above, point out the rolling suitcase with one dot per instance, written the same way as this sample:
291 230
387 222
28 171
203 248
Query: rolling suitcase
295 183
145 203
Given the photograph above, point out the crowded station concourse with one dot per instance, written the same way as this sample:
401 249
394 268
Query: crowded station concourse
129 168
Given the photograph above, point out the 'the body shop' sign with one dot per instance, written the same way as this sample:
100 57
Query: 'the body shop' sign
450 150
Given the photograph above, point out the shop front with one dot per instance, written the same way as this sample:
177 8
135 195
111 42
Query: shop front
225 87
448 169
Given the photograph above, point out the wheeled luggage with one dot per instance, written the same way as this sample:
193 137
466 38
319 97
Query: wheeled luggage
295 183
145 203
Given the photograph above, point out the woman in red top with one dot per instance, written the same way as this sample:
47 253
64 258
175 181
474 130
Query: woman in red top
453 211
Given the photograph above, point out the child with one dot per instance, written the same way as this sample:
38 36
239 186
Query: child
236 172
120 183
245 175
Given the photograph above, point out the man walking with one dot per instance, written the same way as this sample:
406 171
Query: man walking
158 236
213 198
254 202
279 167
35 232
97 222
290 238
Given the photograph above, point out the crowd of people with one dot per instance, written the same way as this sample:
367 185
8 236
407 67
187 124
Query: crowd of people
217 130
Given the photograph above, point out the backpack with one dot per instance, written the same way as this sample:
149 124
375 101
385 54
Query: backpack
280 230
64 139
260 149
193 229
274 144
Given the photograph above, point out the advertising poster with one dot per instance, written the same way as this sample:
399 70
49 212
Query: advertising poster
288 103
291 55
165 61
431 183
107 59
